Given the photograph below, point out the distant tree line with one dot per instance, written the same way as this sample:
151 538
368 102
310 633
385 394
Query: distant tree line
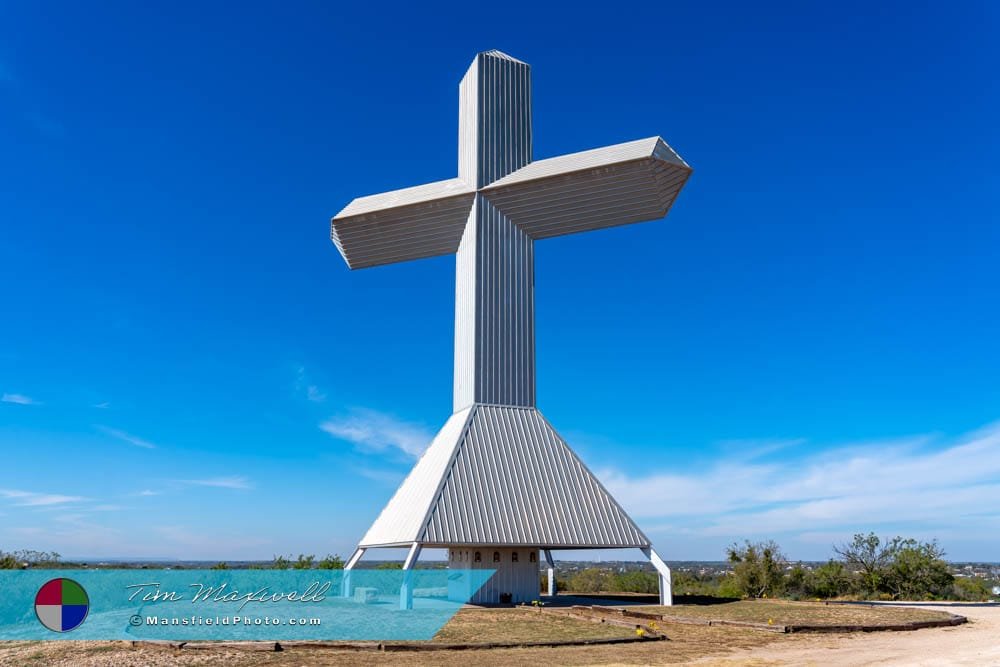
867 568
303 562
15 560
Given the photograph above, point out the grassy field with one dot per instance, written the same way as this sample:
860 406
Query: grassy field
783 612
515 625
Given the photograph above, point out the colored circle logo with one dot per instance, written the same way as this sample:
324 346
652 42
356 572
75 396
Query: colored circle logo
61 605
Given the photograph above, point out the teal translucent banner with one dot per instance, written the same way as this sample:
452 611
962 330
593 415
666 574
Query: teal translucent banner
232 604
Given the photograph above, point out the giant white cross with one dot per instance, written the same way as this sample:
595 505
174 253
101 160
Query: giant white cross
493 212
490 216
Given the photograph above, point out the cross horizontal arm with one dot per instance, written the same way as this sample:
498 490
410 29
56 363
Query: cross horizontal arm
401 225
605 187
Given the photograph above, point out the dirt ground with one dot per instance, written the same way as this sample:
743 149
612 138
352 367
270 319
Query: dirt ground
783 612
976 643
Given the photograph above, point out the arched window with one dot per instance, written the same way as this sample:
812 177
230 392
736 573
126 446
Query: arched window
496 556
533 558
513 557
479 557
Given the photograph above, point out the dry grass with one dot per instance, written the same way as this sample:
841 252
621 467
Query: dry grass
688 642
518 625
783 612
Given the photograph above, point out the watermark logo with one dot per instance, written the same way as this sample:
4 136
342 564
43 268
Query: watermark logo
61 605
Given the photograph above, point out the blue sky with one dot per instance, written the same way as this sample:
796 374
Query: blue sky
805 348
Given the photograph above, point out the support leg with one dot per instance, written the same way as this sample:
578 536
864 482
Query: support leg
551 573
406 590
666 592
351 562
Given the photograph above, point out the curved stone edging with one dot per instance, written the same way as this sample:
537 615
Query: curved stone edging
389 647
952 620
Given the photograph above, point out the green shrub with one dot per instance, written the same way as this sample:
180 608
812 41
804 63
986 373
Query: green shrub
304 562
971 589
918 572
758 568
636 581
331 563
592 580
830 580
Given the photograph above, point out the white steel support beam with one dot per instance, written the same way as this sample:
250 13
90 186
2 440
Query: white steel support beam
666 591
351 562
355 557
551 573
406 590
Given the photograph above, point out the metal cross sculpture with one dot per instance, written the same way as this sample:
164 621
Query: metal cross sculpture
490 216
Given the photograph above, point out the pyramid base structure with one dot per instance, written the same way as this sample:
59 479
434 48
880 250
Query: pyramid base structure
499 488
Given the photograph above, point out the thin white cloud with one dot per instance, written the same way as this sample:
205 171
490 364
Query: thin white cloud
232 482
19 399
147 493
104 405
126 437
311 390
377 431
927 480
749 449
33 499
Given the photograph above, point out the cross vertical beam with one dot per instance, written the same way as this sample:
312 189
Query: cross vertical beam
494 283
494 118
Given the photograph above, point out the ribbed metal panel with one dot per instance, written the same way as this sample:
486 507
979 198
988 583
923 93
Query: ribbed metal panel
466 317
468 125
591 159
404 516
514 481
606 187
494 118
419 194
402 225
494 312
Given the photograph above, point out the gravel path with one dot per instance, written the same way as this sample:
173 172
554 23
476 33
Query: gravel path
976 643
